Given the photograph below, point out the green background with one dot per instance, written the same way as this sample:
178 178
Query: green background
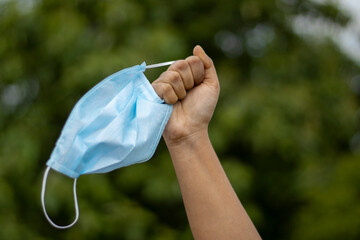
285 128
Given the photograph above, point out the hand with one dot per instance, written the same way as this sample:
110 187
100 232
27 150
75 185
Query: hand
193 87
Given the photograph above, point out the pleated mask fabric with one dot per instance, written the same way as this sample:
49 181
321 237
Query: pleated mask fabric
119 122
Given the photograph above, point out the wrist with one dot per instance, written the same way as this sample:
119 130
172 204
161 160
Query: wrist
189 140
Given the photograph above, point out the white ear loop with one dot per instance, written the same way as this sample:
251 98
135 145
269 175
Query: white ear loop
43 202
160 64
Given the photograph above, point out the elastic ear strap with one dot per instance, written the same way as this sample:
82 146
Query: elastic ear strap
43 202
160 64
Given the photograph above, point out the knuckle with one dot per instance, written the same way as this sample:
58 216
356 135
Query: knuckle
174 77
165 76
194 60
183 95
171 99
190 85
167 89
169 76
181 65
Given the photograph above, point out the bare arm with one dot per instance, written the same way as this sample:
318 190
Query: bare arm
213 209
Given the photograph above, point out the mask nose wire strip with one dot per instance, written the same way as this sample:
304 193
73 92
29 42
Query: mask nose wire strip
160 64
43 202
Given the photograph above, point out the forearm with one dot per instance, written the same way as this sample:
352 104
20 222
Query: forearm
213 209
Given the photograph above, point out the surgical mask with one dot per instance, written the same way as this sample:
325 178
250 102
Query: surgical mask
119 122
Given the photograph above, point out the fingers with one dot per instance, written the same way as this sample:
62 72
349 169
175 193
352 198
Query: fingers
166 92
183 75
170 87
182 67
180 77
176 82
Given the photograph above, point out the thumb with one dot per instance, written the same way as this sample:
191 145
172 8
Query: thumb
210 71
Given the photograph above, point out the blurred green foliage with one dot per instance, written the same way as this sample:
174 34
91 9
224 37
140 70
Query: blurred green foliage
285 125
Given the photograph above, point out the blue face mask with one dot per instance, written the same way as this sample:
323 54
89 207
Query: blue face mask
117 123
